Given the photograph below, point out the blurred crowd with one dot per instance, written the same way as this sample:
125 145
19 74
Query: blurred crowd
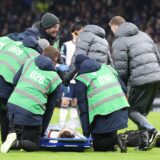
16 15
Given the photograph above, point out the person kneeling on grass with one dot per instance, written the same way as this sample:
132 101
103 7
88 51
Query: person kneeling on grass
31 104
102 104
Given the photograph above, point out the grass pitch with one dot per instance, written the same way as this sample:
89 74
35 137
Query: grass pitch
89 154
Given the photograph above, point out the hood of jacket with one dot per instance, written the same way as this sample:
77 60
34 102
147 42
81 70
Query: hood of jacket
95 30
89 65
126 29
23 35
31 42
29 38
44 63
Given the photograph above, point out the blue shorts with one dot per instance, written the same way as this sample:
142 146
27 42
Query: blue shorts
72 92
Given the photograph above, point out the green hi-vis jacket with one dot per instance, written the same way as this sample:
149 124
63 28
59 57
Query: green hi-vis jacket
104 92
13 55
33 87
5 41
56 44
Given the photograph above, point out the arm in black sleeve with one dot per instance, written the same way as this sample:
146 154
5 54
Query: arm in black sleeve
123 86
52 99
17 76
60 59
66 76
63 51
81 94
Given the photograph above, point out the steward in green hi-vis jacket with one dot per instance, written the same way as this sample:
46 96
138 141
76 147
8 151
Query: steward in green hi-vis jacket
33 87
15 49
101 101
5 40
12 57
32 102
104 92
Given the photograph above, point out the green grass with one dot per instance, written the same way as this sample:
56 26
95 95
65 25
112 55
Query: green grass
89 154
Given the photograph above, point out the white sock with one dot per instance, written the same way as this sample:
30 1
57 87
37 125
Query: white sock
73 113
63 114
74 122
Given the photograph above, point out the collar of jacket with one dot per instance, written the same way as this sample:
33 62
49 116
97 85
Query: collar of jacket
43 34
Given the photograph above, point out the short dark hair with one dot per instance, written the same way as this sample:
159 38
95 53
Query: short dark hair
78 25
117 20
66 134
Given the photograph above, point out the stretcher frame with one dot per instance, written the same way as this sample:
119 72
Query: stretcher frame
65 144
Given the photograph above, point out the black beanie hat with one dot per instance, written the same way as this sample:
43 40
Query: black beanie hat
80 58
48 20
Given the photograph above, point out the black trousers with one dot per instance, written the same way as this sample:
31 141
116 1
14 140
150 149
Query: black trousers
104 141
28 137
4 123
141 100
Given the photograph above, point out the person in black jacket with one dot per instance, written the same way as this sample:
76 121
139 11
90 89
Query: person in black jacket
48 28
137 61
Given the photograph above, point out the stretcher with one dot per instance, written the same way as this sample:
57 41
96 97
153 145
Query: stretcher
78 143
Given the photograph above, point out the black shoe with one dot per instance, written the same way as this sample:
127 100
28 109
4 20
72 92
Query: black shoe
122 142
154 135
133 138
144 140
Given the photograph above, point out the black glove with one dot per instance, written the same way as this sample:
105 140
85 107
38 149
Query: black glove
66 76
86 134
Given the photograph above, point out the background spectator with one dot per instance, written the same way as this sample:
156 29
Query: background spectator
16 15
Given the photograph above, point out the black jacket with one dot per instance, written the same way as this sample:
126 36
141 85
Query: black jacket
42 34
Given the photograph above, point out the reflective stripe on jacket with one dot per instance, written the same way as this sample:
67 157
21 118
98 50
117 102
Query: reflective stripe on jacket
104 92
33 87
12 56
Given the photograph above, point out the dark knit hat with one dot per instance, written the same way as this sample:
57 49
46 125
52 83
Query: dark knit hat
48 20
80 58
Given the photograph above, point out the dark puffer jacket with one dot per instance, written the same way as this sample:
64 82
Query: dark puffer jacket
92 42
135 56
